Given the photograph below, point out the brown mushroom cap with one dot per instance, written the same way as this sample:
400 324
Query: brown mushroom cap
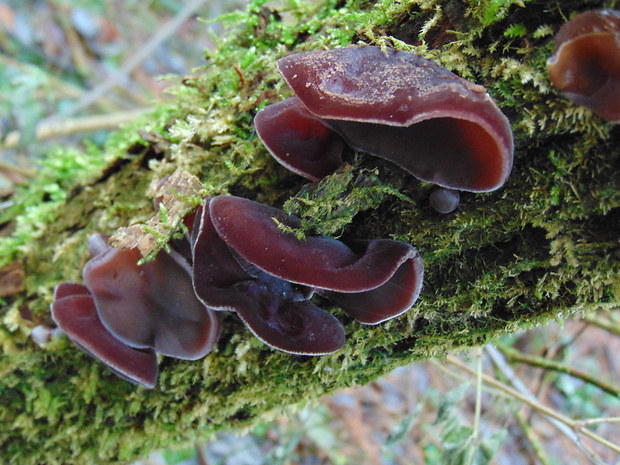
316 261
74 311
391 299
406 109
276 311
293 326
151 305
299 140
244 262
585 65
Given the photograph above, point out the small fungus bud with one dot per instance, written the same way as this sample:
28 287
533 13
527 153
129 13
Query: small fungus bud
42 335
444 200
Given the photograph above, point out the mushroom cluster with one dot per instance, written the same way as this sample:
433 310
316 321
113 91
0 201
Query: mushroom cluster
126 313
240 256
585 65
392 104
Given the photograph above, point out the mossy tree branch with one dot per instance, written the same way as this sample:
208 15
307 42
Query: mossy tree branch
543 247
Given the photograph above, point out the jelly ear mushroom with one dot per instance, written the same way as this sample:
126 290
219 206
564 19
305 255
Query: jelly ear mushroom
215 270
300 141
251 229
296 327
274 310
151 305
372 281
74 311
406 109
444 200
389 300
585 65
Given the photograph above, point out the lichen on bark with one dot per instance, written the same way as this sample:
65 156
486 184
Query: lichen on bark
543 247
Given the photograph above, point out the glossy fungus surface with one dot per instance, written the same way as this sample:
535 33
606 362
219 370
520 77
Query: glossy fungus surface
251 229
235 257
275 310
294 326
585 64
372 280
299 140
74 311
444 200
393 298
406 109
151 305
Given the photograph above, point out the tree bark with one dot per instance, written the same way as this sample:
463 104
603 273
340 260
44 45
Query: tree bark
543 247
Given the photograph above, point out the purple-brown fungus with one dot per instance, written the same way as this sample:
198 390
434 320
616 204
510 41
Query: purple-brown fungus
74 311
401 107
444 200
130 311
372 280
151 305
235 257
244 262
299 140
276 311
251 229
585 65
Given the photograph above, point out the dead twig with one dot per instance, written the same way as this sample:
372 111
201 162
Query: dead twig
566 425
142 54
515 356
65 127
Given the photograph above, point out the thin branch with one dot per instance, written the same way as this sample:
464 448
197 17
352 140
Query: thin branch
10 168
478 407
565 424
201 454
533 439
71 126
525 398
142 54
515 356
105 104
596 421
602 323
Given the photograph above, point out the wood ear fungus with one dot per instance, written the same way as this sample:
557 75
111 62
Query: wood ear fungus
243 262
238 260
151 305
299 140
585 65
400 107
127 313
75 312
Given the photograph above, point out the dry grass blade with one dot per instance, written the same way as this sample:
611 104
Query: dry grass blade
142 54
566 425
65 127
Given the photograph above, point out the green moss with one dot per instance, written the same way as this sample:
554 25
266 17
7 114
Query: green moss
544 245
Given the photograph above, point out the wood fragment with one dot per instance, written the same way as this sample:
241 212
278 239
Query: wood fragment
176 196
12 279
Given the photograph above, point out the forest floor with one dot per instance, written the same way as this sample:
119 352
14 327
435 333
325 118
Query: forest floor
64 60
